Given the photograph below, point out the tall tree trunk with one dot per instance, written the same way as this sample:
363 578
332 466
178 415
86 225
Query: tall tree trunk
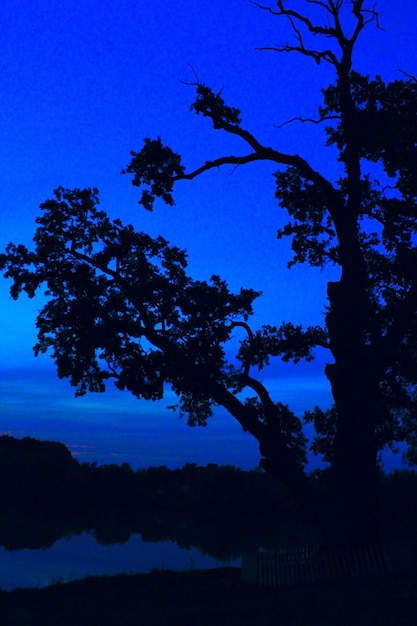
355 386
354 471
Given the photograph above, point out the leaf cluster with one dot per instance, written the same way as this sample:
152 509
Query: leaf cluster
212 105
312 230
289 342
385 123
156 166
120 305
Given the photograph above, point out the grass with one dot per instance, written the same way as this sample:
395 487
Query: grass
212 597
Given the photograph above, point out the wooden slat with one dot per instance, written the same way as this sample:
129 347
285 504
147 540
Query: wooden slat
289 566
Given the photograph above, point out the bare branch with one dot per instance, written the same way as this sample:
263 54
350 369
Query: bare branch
407 75
315 30
338 26
318 56
197 80
359 12
308 119
229 160
322 4
325 55
334 31
358 7
297 32
269 154
264 8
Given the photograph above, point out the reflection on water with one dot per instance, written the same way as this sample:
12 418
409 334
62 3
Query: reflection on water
81 555
39 551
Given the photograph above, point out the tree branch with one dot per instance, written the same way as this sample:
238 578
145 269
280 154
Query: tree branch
263 395
315 30
335 31
325 55
308 119
411 77
250 337
261 153
269 154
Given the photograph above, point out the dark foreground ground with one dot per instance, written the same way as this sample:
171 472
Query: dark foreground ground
214 597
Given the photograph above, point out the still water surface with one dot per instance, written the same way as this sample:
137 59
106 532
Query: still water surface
80 555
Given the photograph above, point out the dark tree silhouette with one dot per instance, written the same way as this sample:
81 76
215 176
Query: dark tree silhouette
120 304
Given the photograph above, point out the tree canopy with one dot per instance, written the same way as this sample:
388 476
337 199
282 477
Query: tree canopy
121 305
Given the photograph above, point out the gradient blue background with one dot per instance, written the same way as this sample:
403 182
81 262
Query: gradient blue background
81 85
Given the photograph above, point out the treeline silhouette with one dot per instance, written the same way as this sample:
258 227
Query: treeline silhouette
43 474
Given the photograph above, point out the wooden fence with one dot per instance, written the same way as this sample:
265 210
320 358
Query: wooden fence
289 566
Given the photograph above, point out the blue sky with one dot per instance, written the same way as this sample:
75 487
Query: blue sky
83 83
